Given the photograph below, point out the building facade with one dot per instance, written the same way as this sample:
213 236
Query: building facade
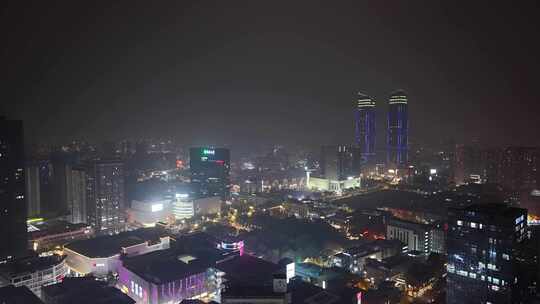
183 207
34 272
365 123
397 140
105 196
482 243
33 191
77 196
12 190
210 168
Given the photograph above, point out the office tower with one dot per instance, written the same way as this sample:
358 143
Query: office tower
339 162
365 127
397 139
210 171
12 190
105 196
33 189
77 207
482 246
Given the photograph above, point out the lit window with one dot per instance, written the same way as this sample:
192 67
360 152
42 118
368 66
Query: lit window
506 256
473 225
460 223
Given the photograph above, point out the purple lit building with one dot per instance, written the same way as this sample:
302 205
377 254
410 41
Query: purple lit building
164 277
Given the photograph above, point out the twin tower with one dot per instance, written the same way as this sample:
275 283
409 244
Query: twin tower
397 128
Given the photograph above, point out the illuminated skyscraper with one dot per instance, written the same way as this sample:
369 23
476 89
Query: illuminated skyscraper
398 128
210 169
105 196
365 127
12 190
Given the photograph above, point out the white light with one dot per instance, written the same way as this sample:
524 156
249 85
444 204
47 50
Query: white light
157 207
181 195
290 273
432 171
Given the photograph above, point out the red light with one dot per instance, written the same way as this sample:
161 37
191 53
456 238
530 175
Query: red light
220 162
179 164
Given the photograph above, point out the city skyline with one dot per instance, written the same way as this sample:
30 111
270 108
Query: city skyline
243 75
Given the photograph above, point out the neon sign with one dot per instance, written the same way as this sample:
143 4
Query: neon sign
209 152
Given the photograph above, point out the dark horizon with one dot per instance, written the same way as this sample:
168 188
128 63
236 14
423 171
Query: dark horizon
258 73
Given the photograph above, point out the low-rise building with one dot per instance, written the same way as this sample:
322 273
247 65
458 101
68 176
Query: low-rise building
18 295
47 235
166 277
101 255
34 272
148 213
86 290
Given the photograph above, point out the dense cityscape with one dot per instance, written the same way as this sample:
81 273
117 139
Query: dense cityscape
383 217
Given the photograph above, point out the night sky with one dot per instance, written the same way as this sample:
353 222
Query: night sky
248 72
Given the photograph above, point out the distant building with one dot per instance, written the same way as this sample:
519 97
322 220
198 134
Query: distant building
47 236
148 213
397 139
18 295
482 258
210 169
12 190
467 164
354 259
207 205
340 169
77 206
34 272
520 169
106 196
84 290
33 191
418 237
365 122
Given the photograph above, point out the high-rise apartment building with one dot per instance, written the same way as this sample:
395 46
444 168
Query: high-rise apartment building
12 190
33 189
105 196
482 252
77 206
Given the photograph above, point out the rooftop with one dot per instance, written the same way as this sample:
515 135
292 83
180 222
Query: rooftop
495 209
29 265
18 295
248 269
85 290
109 245
165 266
55 227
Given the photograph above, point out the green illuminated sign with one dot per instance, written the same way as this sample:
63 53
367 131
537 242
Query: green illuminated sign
209 152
